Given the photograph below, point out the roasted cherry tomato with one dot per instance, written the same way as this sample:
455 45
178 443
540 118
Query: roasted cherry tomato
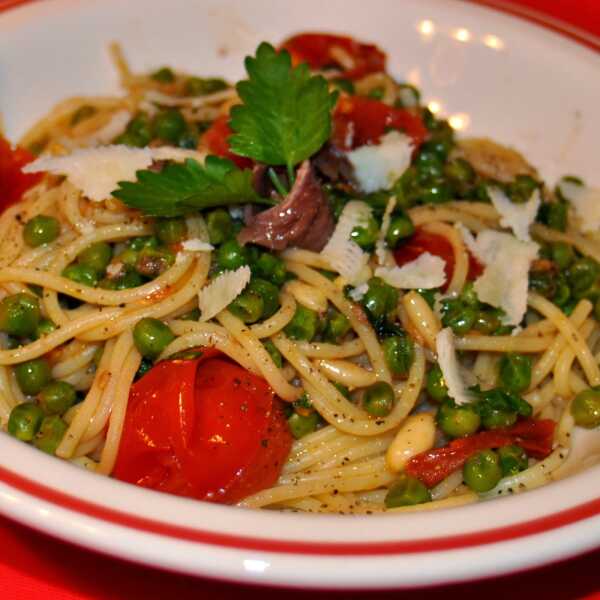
533 435
422 241
14 183
358 121
204 428
321 50
215 139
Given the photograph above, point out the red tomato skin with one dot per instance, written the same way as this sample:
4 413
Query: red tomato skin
315 49
422 241
14 183
203 428
215 138
358 121
433 466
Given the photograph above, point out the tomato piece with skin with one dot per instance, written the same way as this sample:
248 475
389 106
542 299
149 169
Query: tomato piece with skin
321 50
215 138
535 436
13 182
203 428
422 241
358 121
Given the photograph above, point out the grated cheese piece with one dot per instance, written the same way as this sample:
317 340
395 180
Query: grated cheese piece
446 355
586 202
381 251
343 254
358 292
97 171
196 245
517 217
220 292
378 167
426 271
505 279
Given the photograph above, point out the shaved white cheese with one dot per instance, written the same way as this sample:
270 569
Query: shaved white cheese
222 291
517 217
381 250
505 279
446 355
358 292
344 255
113 270
115 127
586 202
97 171
378 167
196 245
426 271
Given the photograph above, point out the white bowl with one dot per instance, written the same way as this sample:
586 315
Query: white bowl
493 75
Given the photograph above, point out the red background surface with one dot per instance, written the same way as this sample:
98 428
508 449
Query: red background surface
34 566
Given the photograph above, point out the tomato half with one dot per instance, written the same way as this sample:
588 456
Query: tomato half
319 51
215 139
203 428
423 241
358 121
14 183
533 435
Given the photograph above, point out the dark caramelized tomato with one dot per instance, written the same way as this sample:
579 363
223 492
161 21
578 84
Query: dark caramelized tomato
321 50
215 139
203 428
14 183
422 241
358 121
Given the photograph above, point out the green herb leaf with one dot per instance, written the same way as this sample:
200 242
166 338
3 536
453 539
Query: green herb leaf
286 113
182 188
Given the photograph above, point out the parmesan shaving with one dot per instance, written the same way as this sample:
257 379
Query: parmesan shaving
446 354
586 202
196 245
357 293
222 291
517 217
343 254
381 251
426 272
378 167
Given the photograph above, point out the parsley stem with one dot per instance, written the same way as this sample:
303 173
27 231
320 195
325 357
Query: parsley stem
277 183
291 175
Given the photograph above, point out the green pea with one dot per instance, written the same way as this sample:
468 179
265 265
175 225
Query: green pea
189 138
554 215
219 225
33 375
543 282
138 132
97 256
460 171
457 420
301 425
151 337
399 353
435 384
378 399
582 275
83 274
562 294
519 191
438 146
401 227
269 294
487 322
406 491
45 327
57 397
197 86
163 75
170 231
336 326
495 418
50 434
468 295
303 325
344 85
19 315
586 408
128 280
139 243
273 353
270 267
153 262
40 230
25 420
128 257
380 298
562 254
408 96
482 471
248 306
461 319
513 460
82 113
366 236
515 372
169 125
231 256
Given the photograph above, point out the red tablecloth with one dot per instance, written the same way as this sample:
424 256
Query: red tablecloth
34 566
